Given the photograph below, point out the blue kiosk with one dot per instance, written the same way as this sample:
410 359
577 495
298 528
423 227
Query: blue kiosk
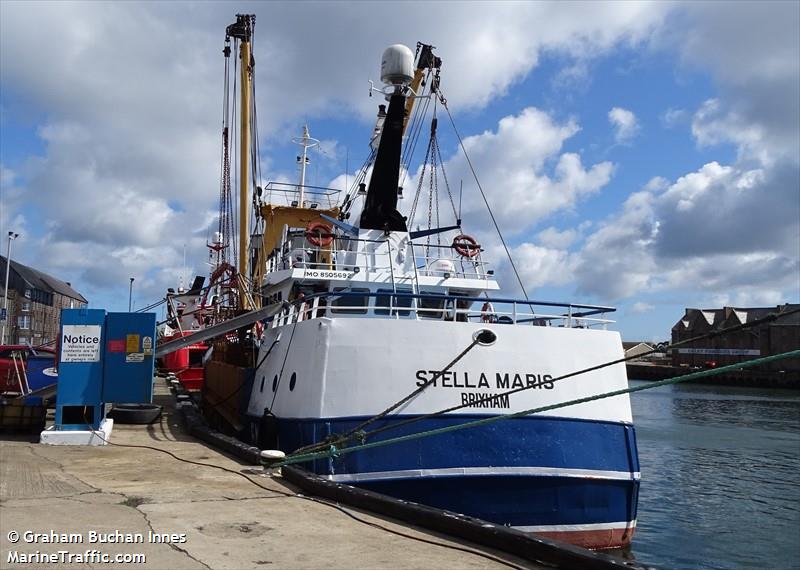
104 358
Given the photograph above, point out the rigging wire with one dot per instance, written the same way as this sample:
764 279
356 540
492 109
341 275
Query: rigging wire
233 132
483 195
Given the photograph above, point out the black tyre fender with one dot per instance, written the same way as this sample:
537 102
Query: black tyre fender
135 413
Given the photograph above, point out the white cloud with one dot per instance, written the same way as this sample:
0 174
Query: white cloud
513 163
640 307
131 131
552 238
540 266
625 124
752 51
719 229
130 93
615 261
673 117
723 233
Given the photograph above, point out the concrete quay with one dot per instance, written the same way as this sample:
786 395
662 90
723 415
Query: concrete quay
190 516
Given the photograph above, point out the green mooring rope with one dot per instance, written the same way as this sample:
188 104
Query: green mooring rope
336 452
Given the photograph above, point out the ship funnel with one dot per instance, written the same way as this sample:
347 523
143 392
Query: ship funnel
397 65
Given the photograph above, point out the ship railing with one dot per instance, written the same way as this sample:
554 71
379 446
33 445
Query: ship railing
452 308
347 253
287 194
444 261
297 253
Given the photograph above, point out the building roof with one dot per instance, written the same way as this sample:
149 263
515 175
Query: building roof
41 280
731 316
628 345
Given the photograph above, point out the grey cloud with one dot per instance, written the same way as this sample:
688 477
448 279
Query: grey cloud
738 212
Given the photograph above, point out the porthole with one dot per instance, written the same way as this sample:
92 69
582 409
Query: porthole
275 383
292 381
263 378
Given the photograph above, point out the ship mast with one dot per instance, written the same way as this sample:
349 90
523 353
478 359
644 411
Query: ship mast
306 141
243 31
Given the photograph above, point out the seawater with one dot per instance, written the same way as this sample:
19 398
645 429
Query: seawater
720 477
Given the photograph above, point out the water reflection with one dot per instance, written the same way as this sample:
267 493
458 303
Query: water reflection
720 485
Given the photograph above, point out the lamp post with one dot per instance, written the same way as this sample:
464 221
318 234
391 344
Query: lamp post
11 236
130 295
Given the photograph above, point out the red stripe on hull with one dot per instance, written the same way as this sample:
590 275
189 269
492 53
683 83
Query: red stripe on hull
595 539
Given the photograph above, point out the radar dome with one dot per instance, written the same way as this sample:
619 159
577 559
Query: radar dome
397 65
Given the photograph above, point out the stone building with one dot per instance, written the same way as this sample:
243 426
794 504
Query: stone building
38 298
764 339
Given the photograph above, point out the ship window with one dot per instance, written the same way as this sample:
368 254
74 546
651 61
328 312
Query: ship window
292 381
350 304
430 306
275 383
263 378
383 301
196 357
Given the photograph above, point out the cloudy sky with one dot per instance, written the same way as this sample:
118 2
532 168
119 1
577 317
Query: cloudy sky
643 155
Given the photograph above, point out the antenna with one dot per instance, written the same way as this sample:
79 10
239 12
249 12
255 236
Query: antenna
306 142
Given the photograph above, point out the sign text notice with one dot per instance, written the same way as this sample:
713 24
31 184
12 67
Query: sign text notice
80 343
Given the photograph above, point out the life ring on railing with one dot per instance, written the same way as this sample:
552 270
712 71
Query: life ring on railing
319 234
487 313
466 245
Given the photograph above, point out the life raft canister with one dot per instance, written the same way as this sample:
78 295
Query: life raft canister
319 234
466 246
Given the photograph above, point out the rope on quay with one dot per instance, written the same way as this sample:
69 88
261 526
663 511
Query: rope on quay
334 452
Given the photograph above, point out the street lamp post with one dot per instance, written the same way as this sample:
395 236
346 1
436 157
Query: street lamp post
11 236
130 295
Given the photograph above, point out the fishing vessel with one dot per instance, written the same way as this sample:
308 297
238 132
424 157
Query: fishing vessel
380 328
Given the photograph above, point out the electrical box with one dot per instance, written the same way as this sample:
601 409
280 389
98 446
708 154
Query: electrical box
80 369
104 358
129 363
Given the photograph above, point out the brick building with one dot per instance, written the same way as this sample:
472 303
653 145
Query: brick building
773 337
35 300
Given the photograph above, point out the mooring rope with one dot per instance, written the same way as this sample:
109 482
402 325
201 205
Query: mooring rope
334 452
359 433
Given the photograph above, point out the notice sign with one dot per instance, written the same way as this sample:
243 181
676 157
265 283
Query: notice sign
132 344
80 343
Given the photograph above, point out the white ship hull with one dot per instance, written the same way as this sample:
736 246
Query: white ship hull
570 473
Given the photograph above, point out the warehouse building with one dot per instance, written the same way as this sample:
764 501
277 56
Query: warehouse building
763 339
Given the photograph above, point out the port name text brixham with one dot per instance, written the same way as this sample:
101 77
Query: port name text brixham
97 537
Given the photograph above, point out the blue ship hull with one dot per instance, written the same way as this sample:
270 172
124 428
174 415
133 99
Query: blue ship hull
572 479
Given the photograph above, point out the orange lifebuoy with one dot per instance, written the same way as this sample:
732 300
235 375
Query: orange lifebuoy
319 234
466 245
487 313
